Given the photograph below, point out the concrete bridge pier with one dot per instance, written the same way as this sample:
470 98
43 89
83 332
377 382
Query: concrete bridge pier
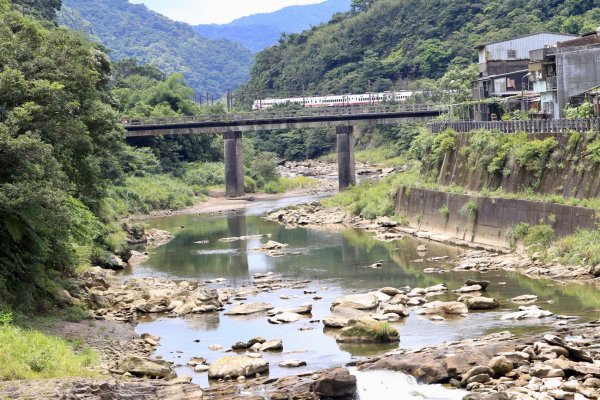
234 164
345 151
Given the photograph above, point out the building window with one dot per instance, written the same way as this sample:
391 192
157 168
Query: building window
512 54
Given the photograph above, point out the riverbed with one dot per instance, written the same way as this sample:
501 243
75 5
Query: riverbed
333 264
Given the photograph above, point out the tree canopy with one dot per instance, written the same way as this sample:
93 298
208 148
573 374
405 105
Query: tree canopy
59 148
381 44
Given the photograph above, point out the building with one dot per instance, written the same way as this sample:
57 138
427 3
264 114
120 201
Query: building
503 70
568 73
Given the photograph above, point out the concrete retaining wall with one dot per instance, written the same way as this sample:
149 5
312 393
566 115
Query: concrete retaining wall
494 216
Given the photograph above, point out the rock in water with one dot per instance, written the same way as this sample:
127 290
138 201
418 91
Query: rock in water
335 384
249 308
367 330
481 303
146 367
527 313
341 316
366 301
272 345
235 366
292 364
440 307
285 318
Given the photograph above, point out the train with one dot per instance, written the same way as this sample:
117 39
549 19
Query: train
344 100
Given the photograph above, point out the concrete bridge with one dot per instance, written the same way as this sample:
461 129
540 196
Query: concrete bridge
232 126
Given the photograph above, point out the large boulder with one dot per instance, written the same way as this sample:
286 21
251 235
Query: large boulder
501 366
341 316
335 384
146 367
366 301
235 366
249 308
441 307
481 303
367 330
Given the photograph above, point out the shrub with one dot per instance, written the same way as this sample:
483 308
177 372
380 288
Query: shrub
204 174
76 314
540 236
249 184
469 208
274 187
369 199
264 167
444 211
533 155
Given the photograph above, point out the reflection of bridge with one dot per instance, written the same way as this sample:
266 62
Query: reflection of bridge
233 125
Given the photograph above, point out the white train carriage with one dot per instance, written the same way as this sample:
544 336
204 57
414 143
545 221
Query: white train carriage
346 100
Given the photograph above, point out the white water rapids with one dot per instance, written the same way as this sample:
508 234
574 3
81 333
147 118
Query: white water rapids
379 385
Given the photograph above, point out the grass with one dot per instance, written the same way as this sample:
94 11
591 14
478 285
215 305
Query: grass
29 354
581 248
154 192
386 157
367 199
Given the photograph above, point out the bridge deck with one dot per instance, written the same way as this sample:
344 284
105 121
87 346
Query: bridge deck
294 119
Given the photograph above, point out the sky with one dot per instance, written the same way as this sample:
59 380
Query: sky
216 11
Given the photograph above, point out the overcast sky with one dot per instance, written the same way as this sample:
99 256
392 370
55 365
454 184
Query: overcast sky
216 11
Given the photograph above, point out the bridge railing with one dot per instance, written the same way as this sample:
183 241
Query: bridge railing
529 126
287 114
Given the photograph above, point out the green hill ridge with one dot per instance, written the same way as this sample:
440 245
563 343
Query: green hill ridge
131 30
381 43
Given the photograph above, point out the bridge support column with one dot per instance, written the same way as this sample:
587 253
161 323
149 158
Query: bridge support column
234 164
345 150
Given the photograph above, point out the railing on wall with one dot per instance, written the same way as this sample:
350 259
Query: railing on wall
293 114
530 126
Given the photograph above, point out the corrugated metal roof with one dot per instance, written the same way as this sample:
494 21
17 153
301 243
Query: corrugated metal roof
479 46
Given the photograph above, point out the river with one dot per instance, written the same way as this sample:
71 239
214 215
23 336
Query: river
336 263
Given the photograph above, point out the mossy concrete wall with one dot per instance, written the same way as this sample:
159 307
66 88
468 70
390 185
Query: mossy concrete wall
569 172
489 224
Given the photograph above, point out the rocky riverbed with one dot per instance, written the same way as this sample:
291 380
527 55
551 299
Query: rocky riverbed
560 364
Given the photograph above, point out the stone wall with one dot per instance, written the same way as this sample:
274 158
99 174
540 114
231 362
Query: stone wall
489 224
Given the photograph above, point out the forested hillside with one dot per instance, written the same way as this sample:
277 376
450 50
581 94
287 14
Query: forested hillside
131 30
259 31
381 42
60 145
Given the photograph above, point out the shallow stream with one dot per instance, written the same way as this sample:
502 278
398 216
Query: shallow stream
336 264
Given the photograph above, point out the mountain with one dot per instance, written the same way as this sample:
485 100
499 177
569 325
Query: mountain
259 31
131 30
382 42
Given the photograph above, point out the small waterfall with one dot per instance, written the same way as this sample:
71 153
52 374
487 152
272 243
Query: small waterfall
379 385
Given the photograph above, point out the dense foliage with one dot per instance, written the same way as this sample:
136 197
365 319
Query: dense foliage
59 147
131 30
44 9
383 42
143 90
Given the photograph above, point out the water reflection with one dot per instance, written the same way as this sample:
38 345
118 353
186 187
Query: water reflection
338 261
